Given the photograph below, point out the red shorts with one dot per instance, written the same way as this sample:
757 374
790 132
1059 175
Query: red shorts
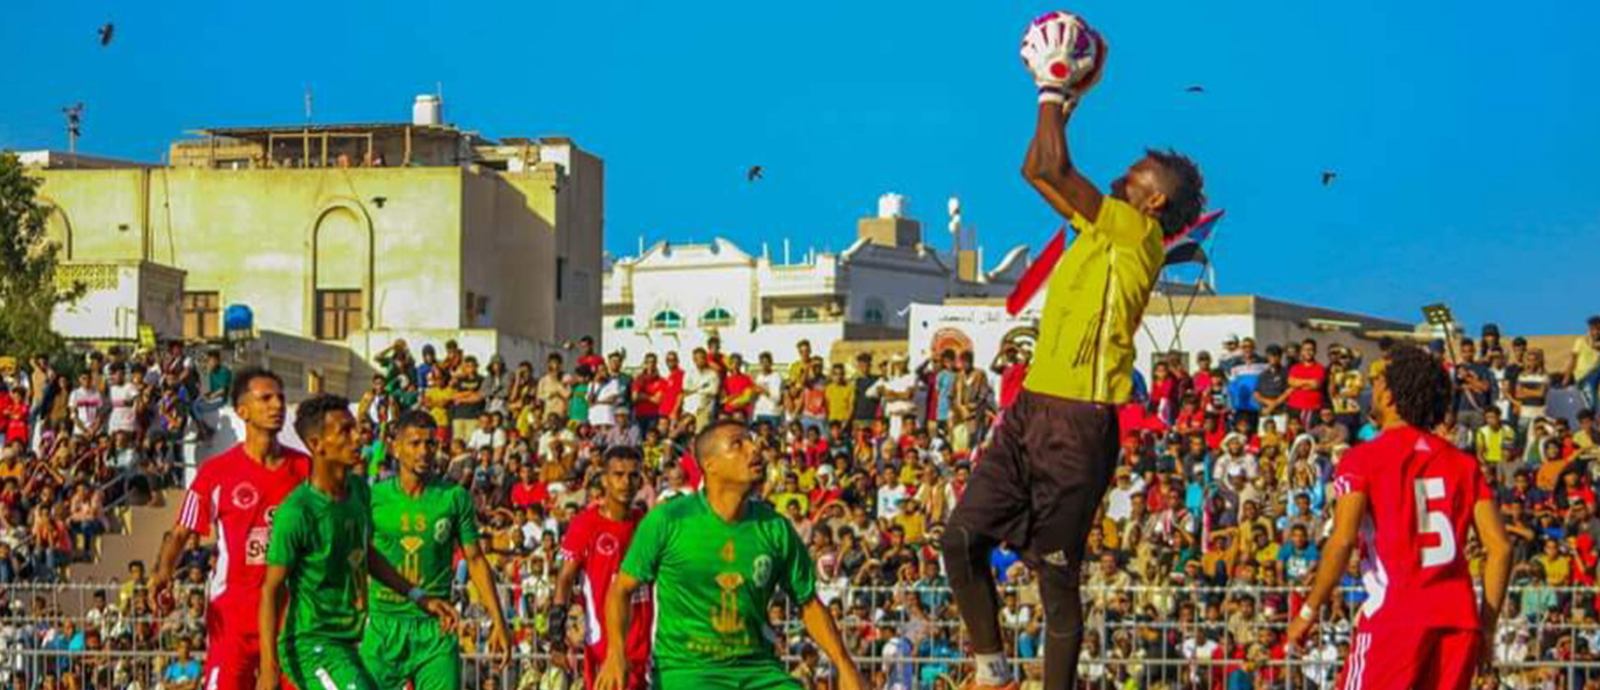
233 642
1420 659
594 656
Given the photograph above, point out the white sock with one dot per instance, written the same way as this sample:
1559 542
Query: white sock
993 670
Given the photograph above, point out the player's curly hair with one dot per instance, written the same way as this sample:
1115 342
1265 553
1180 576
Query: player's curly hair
312 413
1185 191
1419 385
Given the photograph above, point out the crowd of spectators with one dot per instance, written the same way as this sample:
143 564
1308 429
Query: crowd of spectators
1212 524
86 434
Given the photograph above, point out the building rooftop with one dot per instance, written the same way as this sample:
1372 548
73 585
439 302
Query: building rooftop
254 132
46 158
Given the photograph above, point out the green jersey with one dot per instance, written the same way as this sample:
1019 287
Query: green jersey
323 543
419 537
713 580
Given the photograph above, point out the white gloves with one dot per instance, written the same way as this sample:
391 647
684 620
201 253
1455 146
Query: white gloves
1064 56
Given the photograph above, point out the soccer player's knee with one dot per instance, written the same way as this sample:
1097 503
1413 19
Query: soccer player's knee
1063 605
964 552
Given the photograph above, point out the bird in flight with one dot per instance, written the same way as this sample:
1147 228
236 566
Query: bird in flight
1328 176
1196 89
105 34
753 174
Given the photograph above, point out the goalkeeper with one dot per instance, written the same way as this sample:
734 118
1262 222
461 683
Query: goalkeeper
1041 479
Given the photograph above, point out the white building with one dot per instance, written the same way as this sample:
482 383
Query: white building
675 297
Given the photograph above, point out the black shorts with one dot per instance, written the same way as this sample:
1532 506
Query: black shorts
1039 482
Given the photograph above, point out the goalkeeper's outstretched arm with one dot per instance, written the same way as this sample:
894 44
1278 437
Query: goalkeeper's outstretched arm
1048 166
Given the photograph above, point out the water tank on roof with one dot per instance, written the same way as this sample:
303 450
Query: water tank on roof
238 317
427 110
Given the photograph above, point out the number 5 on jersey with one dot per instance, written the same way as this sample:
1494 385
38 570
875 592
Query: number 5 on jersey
1434 522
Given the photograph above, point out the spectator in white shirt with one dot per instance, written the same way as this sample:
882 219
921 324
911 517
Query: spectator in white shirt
700 387
488 435
122 396
769 393
898 391
891 493
86 405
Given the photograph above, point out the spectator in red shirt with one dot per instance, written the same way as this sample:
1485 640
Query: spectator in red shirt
1307 381
672 389
649 394
738 389
1012 366
715 357
588 357
530 491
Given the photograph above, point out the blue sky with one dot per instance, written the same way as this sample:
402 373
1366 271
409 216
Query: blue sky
1465 133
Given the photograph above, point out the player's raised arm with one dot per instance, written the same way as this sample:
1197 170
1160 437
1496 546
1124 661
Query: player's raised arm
615 668
1497 564
1049 169
820 624
1335 557
267 613
1056 50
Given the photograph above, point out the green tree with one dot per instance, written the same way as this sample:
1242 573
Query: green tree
29 291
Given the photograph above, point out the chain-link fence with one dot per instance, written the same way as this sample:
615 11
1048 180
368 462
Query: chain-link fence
101 636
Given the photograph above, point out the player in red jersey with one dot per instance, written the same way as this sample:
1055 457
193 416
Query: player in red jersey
233 497
1406 500
596 541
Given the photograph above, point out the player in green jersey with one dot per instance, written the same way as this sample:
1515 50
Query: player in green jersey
716 557
418 522
321 548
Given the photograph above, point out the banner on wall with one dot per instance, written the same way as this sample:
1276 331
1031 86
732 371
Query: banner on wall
983 330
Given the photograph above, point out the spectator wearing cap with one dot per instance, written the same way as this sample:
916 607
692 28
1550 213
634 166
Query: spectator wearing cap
1244 376
1583 370
1272 389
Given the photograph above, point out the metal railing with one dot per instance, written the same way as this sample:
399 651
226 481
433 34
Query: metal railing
37 639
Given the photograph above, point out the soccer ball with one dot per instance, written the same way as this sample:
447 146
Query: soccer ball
1062 47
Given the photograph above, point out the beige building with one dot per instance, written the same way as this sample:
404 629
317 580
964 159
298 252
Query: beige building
355 235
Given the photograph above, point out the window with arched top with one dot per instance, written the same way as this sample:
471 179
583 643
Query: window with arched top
715 317
623 323
805 315
666 318
874 312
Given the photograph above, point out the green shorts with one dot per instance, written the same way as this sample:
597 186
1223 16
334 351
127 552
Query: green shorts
726 678
396 649
323 665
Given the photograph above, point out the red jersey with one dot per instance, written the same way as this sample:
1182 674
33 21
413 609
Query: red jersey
671 392
1311 399
1421 492
238 495
597 544
645 388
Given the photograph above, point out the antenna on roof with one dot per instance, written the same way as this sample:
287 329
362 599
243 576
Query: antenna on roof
74 115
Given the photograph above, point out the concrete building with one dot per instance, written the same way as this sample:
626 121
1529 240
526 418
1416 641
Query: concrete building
356 234
677 296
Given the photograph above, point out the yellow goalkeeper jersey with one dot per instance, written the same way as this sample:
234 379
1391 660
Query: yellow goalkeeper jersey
1095 300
